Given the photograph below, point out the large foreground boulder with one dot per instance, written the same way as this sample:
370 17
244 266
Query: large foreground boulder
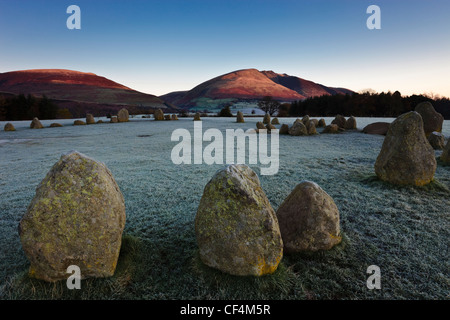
309 219
432 120
406 157
36 124
76 218
236 228
377 128
123 115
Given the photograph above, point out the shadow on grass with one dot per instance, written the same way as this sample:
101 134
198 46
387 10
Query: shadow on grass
22 287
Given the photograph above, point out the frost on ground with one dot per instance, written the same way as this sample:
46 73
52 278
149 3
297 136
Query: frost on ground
403 230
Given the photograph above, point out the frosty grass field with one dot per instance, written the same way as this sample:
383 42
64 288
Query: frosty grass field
403 230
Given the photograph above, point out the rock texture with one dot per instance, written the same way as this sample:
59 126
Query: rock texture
339 121
350 123
437 140
159 115
445 156
377 128
9 127
36 124
331 128
432 120
309 219
240 117
298 129
275 121
236 228
76 218
123 115
90 119
406 157
79 123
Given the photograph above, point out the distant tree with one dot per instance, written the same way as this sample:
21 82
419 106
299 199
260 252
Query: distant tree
225 112
47 109
283 110
183 113
268 105
253 111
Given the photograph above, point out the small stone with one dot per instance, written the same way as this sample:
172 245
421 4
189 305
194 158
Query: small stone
123 115
79 123
266 119
159 115
36 124
90 119
9 127
240 117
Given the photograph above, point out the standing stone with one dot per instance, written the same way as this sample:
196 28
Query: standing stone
339 121
36 124
56 125
76 218
114 119
174 117
315 121
167 117
432 120
260 125
266 119
445 156
90 119
284 129
350 124
406 157
9 127
331 128
275 121
240 117
311 128
123 115
237 229
377 128
79 123
322 123
197 117
305 120
298 129
159 115
270 127
309 219
437 140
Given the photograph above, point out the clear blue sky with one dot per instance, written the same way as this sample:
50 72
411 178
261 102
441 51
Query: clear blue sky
162 46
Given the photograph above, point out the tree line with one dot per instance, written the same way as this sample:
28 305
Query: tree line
365 105
23 107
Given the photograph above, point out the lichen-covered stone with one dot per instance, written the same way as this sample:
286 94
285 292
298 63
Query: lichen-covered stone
237 229
284 129
79 123
260 125
445 156
167 117
76 218
305 120
309 219
322 123
240 117
432 120
275 121
266 119
339 121
123 115
36 124
197 117
311 128
298 129
90 119
380 128
437 140
159 115
331 128
114 119
9 127
174 117
406 157
350 123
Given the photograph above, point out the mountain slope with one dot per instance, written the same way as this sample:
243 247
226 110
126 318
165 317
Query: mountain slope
75 86
247 85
